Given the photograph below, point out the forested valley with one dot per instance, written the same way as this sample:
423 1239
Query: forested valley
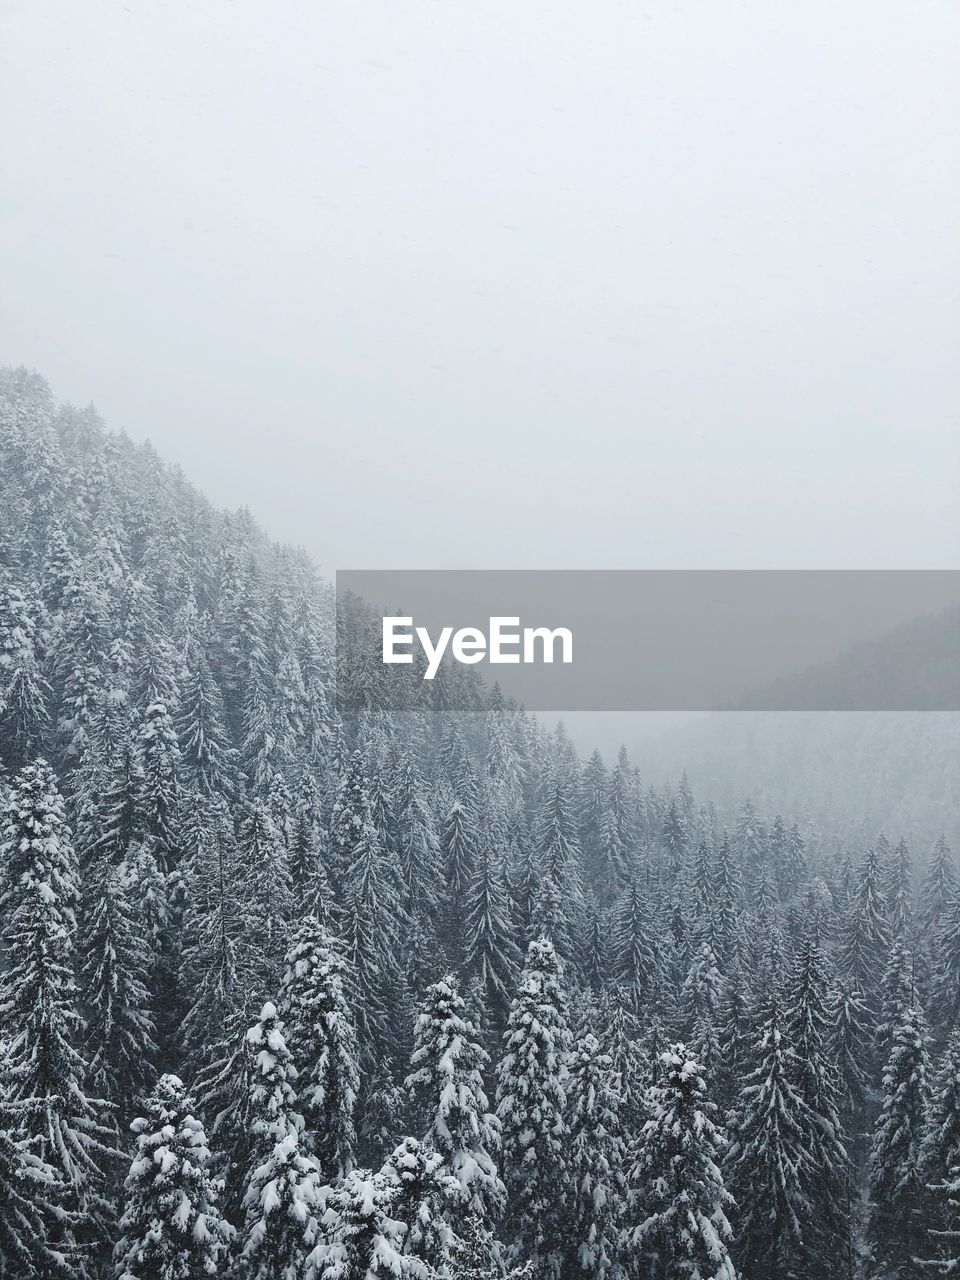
290 994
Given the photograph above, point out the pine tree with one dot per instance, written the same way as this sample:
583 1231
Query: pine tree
80 665
208 763
531 1107
218 966
265 873
446 1082
619 1034
314 1004
938 889
865 939
558 851
635 961
673 840
942 1254
814 1077
38 997
119 1031
947 976
308 875
899 892
490 953
423 1196
29 1205
159 799
361 1238
457 845
771 1171
941 1145
678 1201
898 1195
382 1118
283 1198
24 692
594 1163
851 1048
415 842
363 881
702 1002
727 907
736 1039
172 1225
120 784
896 994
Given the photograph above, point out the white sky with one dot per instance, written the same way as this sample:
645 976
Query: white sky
505 282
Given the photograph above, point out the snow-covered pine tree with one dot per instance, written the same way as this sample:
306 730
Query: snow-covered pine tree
770 1171
701 1001
899 1200
851 1048
284 1195
531 1108
319 1022
592 808
619 1034
370 913
172 1226
415 842
947 966
38 996
208 760
265 874
727 894
159 799
941 1144
595 961
80 664
634 958
383 1117
24 692
218 968
446 1083
29 1203
938 889
117 806
118 1026
423 1197
594 1164
735 1039
673 840
897 993
457 844
941 1163
308 874
361 1239
490 953
679 1205
865 936
942 1254
558 851
899 891
814 1075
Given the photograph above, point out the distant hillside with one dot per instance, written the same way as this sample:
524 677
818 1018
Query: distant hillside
853 773
915 667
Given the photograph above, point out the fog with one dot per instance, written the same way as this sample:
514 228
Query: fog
505 285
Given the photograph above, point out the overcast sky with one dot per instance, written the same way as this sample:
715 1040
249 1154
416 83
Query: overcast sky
506 282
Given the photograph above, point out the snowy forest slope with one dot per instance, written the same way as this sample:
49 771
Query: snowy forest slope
420 996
